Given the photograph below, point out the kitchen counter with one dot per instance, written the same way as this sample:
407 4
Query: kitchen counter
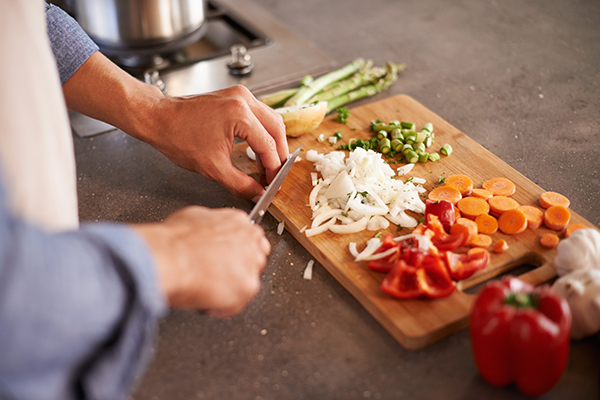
520 78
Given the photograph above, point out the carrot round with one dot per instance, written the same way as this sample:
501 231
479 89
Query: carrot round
471 207
501 204
449 193
500 246
534 215
549 199
466 227
572 228
500 186
486 224
512 221
481 240
482 193
557 218
463 183
549 240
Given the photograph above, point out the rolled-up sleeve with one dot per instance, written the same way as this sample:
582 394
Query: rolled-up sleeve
70 44
78 311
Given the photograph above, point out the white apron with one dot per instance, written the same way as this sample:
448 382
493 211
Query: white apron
37 162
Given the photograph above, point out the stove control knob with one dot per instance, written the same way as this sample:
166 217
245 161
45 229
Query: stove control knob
241 62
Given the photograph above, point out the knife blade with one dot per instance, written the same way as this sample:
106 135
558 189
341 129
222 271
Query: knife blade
264 202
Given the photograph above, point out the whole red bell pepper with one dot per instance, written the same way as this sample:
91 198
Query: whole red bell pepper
520 334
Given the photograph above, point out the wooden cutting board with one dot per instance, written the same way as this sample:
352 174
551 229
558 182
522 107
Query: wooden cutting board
413 323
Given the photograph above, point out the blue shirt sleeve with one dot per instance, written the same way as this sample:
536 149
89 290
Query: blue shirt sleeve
70 44
78 310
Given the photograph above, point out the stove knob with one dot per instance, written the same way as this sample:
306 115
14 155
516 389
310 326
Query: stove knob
152 77
241 63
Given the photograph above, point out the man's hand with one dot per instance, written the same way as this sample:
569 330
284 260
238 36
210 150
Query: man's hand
197 133
207 259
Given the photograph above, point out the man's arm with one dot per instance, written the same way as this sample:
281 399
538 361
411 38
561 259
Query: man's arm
195 132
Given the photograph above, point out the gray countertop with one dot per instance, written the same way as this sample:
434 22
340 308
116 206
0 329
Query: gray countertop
520 78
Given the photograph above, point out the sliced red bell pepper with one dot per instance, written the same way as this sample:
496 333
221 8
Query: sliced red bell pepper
520 334
444 210
462 266
441 239
428 279
385 264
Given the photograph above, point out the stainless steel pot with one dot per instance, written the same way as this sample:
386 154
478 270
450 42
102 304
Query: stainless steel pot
141 26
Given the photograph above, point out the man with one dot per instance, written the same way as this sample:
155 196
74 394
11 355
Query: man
79 306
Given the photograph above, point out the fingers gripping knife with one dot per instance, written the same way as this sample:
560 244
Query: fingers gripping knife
261 206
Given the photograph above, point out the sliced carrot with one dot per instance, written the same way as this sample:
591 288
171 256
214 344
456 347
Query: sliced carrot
549 199
512 221
572 228
449 193
500 186
534 215
486 224
471 207
557 218
549 240
481 240
482 193
456 214
466 227
501 204
500 246
463 183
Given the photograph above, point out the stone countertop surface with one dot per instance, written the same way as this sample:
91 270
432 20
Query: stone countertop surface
520 78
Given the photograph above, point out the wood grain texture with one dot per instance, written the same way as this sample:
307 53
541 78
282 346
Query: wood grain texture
413 323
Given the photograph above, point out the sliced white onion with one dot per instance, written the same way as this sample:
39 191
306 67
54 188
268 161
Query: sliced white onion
324 216
280 227
308 270
372 246
357 226
250 153
405 169
320 229
377 222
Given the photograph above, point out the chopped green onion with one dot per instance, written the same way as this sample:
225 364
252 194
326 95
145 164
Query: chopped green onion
381 134
397 145
428 127
384 145
338 135
423 157
434 157
446 149
412 157
408 125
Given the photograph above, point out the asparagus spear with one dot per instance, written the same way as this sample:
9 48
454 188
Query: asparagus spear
277 99
347 85
309 91
365 91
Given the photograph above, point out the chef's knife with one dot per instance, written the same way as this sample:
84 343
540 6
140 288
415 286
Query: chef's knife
261 206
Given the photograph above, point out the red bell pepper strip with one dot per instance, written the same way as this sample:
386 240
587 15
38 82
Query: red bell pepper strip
441 239
427 279
462 266
520 334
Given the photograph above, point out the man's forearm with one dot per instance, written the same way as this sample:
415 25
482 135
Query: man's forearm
102 90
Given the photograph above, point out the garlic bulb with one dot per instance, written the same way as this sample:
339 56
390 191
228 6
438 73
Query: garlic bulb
581 289
580 251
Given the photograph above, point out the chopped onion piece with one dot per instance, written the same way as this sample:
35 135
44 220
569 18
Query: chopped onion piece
308 270
419 180
357 226
372 246
405 169
320 229
250 153
383 254
315 178
280 227
353 250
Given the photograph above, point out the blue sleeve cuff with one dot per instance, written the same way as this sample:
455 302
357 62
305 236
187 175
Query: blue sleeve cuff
70 44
